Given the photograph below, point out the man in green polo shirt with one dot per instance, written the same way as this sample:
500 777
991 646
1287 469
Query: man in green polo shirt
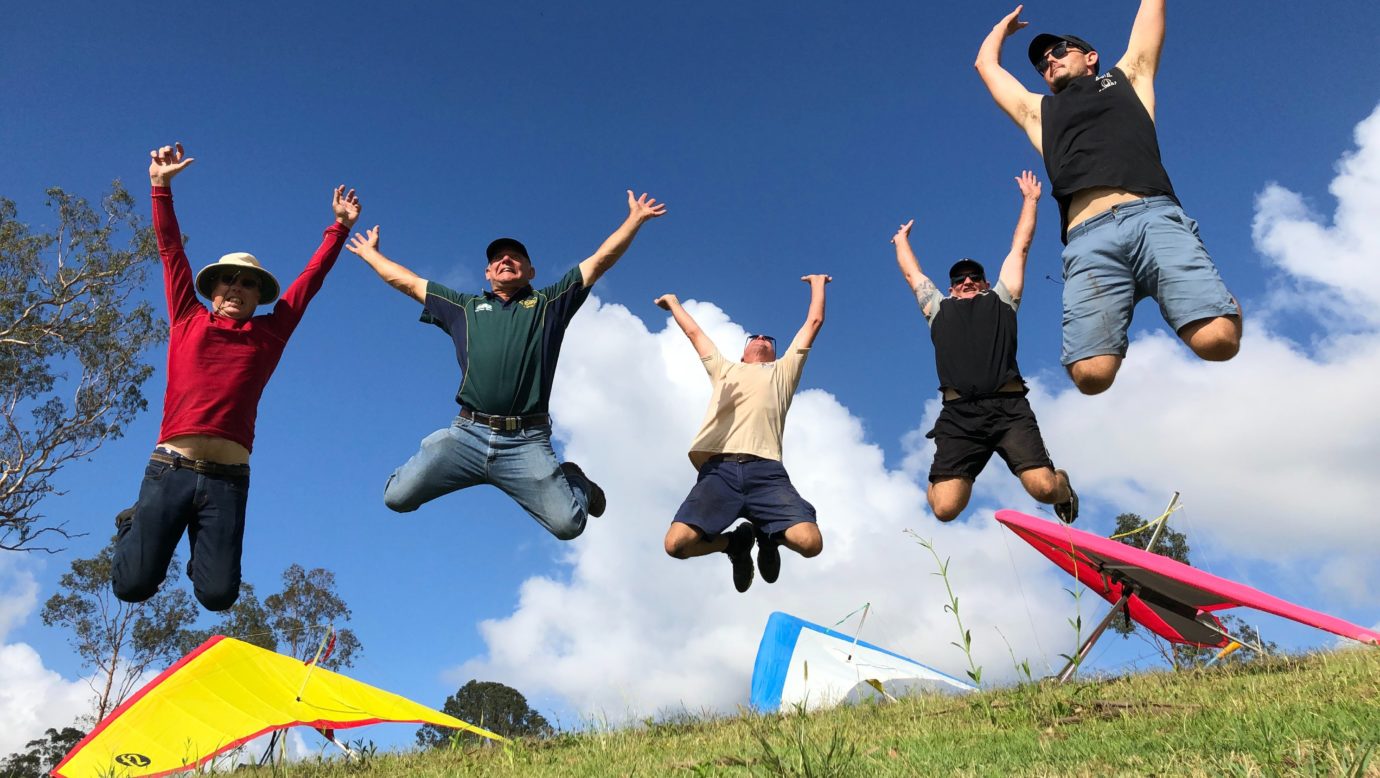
507 341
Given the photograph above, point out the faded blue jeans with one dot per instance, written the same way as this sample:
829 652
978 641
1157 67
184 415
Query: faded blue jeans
521 463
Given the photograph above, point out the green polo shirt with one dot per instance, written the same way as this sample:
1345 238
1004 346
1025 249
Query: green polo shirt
507 350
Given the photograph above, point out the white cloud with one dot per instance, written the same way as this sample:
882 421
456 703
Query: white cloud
1274 452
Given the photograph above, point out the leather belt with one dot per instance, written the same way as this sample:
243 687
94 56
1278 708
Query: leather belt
1010 388
204 466
739 458
506 423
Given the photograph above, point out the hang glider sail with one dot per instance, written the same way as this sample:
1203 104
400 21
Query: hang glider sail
224 694
1171 599
800 663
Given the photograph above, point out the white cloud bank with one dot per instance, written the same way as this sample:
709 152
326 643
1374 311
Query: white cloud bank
1275 453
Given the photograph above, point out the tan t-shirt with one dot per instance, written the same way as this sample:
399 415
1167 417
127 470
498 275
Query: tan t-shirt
748 404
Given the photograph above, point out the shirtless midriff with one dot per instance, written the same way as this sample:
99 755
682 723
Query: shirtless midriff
1087 203
209 448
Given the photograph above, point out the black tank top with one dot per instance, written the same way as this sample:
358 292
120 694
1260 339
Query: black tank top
975 344
1098 133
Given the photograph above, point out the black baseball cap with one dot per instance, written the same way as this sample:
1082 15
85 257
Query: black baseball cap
1044 41
506 243
966 267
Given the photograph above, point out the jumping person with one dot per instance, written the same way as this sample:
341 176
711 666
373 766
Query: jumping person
985 409
507 341
738 452
219 360
1126 238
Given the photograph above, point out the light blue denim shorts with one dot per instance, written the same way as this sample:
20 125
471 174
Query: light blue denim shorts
1143 248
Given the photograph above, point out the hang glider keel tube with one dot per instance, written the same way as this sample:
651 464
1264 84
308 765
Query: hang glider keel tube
1171 599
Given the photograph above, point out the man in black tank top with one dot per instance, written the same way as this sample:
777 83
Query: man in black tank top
985 410
1126 238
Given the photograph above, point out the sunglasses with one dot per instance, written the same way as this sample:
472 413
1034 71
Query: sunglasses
246 281
978 278
768 338
1060 50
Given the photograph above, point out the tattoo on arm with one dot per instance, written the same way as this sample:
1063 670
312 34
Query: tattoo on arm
925 288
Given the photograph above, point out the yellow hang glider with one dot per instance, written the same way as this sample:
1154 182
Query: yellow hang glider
224 694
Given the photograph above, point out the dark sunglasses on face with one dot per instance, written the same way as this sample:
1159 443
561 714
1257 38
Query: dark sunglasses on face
246 281
1060 50
978 278
768 338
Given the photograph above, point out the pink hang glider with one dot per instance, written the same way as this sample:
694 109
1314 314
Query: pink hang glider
1169 598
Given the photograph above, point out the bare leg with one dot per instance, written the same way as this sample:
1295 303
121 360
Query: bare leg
804 539
1216 339
949 497
684 541
1094 375
1045 485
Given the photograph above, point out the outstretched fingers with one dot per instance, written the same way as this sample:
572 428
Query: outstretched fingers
361 243
644 206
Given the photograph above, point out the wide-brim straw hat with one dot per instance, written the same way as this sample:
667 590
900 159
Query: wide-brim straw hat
239 261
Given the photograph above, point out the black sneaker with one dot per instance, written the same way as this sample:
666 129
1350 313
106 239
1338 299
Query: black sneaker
597 501
739 551
768 558
124 518
1067 511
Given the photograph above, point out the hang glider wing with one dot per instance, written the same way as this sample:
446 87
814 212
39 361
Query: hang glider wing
226 693
799 663
1169 598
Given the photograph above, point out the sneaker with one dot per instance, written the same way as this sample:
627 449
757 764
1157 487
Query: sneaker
1067 511
739 551
768 558
124 518
597 501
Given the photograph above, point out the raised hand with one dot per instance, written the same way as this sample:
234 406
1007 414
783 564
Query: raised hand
345 205
1011 23
903 234
360 244
666 301
167 162
1029 184
644 207
817 278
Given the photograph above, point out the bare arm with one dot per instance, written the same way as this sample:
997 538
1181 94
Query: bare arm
910 268
815 318
1142 57
1022 105
703 345
640 210
396 276
1013 267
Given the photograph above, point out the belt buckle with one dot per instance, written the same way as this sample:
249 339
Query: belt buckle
511 423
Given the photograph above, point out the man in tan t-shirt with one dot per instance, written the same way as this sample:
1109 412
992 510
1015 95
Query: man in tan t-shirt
738 453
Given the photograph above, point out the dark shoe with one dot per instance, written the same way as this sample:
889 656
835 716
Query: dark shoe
1067 511
739 552
124 518
768 558
597 501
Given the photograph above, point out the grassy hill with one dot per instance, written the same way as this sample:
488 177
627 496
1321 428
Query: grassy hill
1311 715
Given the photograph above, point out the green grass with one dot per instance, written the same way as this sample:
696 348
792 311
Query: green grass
1311 715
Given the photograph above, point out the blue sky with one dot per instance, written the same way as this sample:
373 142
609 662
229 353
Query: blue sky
786 139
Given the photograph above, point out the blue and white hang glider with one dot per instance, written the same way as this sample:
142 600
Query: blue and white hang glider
804 664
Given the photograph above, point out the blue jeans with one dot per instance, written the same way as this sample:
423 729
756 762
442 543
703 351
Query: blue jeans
521 463
174 499
1142 248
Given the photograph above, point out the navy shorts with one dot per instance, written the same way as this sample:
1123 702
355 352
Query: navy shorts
759 491
969 431
1143 248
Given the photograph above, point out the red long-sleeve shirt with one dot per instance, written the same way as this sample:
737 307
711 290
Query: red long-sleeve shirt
218 366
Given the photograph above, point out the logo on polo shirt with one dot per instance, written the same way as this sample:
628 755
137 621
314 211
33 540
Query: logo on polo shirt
1106 81
483 307
528 302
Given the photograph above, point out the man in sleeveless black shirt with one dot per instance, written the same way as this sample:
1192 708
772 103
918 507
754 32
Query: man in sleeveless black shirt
1126 236
985 410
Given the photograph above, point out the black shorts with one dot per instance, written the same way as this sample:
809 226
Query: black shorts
759 491
968 431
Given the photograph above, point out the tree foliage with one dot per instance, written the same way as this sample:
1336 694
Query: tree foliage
119 640
246 620
301 613
491 705
42 754
71 341
1174 545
